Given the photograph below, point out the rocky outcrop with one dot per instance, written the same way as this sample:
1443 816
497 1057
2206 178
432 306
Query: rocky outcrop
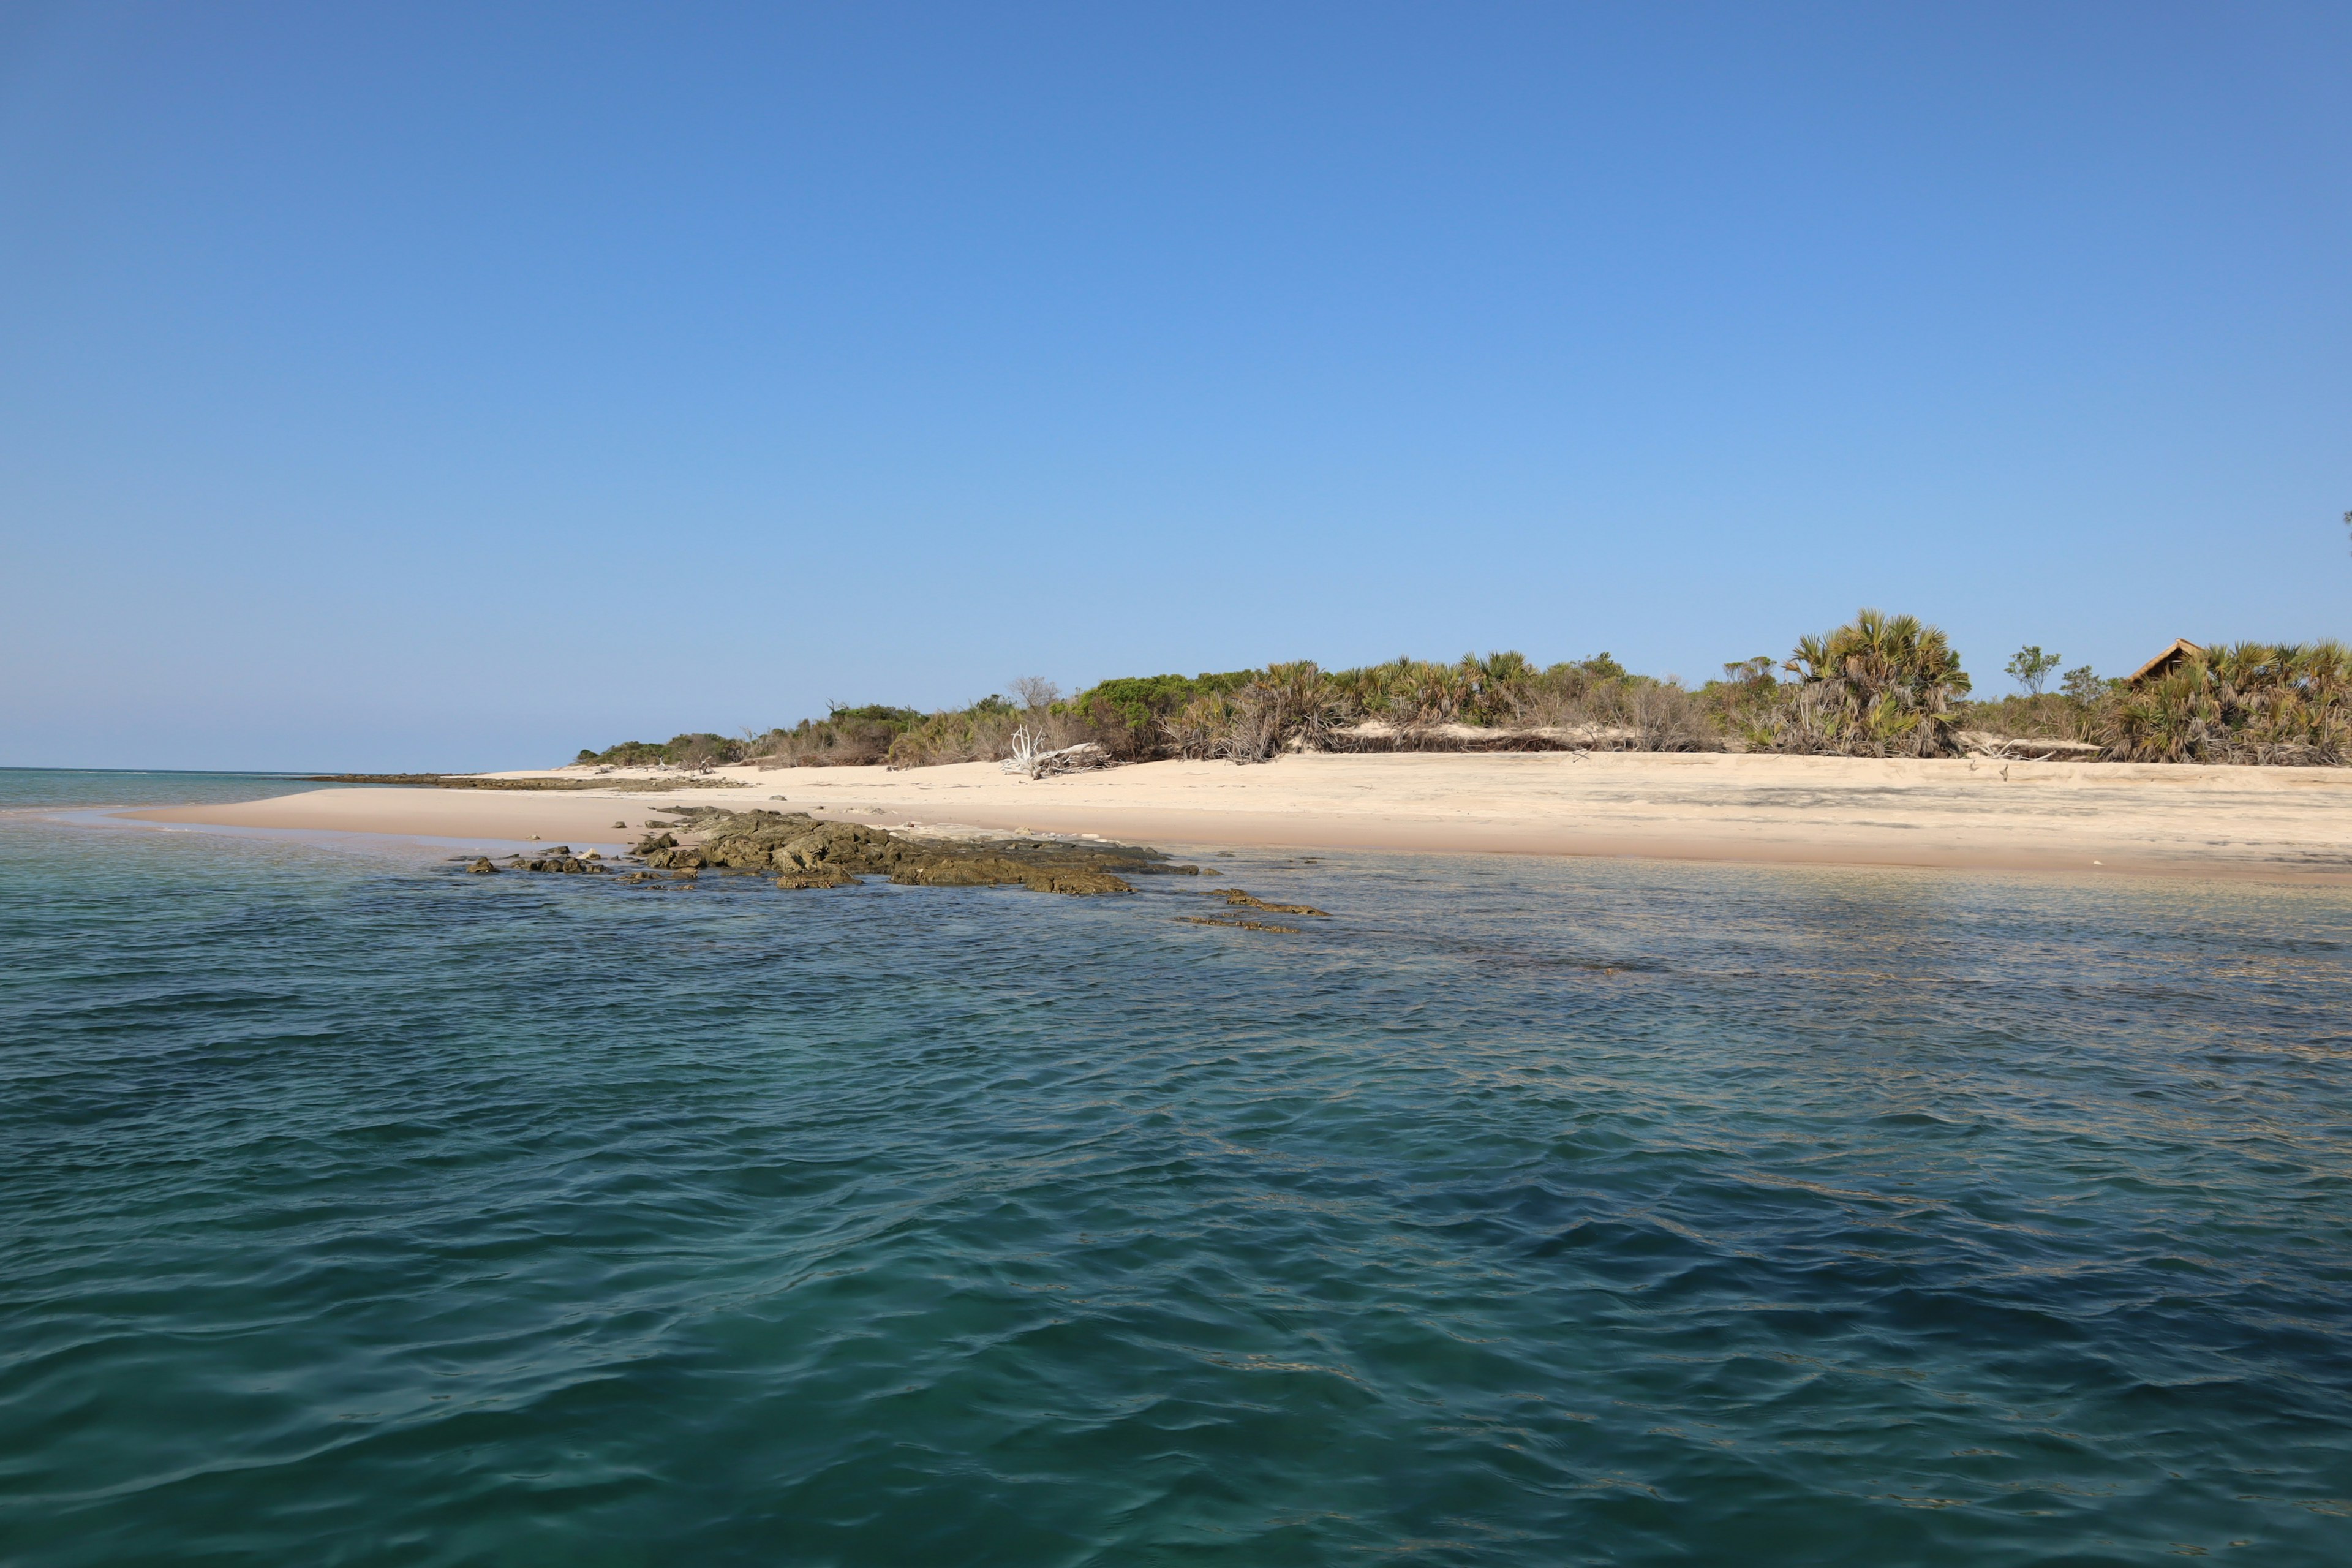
560 858
800 851
804 852
556 858
818 876
1235 898
1072 879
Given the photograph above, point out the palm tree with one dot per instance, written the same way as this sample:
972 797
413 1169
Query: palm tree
1879 686
2245 702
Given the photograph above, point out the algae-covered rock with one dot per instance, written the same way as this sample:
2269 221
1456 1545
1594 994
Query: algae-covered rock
1236 898
1075 880
806 844
482 867
1236 925
960 871
983 870
808 852
804 852
759 840
567 863
817 876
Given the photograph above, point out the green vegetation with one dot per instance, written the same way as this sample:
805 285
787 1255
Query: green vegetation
1131 717
694 751
2251 703
845 737
2260 703
1880 686
2083 684
2050 716
2030 668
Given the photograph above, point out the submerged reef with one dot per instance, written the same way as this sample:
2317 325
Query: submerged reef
801 851
1235 898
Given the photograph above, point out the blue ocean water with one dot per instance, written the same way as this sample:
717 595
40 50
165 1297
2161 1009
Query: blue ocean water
1525 1212
116 788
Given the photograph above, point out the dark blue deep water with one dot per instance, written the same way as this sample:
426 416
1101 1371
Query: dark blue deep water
359 1211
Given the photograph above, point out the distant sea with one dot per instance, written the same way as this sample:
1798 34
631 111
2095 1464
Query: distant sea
359 1211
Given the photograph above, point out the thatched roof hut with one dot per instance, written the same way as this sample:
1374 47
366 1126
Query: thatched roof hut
2164 664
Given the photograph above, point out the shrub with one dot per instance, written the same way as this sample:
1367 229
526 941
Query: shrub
693 750
2083 684
2030 667
1592 702
1132 717
980 733
845 737
2053 715
1879 686
2280 704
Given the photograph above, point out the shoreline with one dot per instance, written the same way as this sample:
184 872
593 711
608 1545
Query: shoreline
2106 819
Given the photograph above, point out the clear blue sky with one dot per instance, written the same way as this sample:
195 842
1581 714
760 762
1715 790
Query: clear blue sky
419 386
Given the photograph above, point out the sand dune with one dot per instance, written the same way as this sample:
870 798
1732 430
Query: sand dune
2091 817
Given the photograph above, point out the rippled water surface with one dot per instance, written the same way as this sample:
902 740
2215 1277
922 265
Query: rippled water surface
359 1211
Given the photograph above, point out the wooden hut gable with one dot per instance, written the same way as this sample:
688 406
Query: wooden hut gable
2164 664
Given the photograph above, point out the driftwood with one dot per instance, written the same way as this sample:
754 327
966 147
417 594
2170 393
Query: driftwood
2027 748
1031 759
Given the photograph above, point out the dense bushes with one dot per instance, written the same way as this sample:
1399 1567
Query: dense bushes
692 751
1880 686
1130 717
845 737
2251 703
2277 704
1406 704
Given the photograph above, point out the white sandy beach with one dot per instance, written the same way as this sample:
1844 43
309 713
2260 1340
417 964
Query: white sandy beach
2270 823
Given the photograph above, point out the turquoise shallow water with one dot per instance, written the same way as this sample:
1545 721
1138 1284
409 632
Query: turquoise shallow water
359 1211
